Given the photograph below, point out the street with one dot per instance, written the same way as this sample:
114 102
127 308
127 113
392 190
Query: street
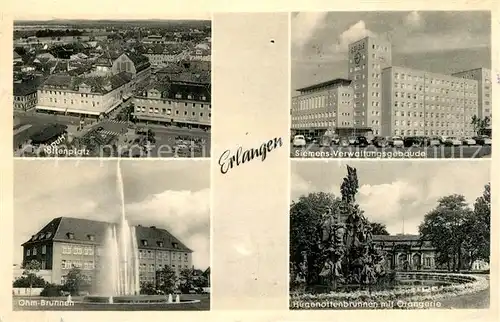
315 151
167 139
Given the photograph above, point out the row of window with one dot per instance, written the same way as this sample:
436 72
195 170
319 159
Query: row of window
77 250
429 114
24 98
66 102
87 265
435 98
34 251
151 268
432 132
460 106
159 254
156 110
177 96
434 81
429 123
427 88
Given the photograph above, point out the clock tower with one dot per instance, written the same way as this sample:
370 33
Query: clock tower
367 58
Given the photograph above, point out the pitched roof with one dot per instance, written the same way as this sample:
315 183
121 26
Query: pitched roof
16 55
58 229
25 88
98 84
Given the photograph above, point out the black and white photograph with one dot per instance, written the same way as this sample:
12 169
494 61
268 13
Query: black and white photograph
112 88
127 235
390 235
391 84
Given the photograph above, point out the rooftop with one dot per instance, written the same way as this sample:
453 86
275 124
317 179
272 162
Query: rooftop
331 83
98 84
78 230
26 87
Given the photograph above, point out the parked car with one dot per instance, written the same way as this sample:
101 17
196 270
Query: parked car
396 142
482 140
468 141
452 141
410 141
379 142
344 142
299 141
434 141
352 140
362 141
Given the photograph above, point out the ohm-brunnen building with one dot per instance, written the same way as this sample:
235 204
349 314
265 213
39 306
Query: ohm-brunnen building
67 242
389 100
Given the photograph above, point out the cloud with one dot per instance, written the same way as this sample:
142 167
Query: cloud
413 20
305 24
185 214
426 43
353 33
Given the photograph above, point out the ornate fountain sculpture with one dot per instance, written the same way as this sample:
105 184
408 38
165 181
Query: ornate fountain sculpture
348 253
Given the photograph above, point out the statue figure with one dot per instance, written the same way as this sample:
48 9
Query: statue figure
339 234
326 225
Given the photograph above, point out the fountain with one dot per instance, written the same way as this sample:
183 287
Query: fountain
118 278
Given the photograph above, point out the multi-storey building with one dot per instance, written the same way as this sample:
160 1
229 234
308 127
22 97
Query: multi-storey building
25 95
160 55
483 77
389 100
367 58
84 96
421 103
175 101
322 107
66 243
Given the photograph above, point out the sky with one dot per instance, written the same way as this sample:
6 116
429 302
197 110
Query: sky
436 41
168 194
393 192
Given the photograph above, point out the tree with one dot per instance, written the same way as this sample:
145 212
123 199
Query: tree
187 280
75 281
480 125
30 270
25 282
378 229
478 227
166 280
148 289
445 226
305 218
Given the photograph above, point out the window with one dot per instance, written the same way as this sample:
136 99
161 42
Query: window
70 235
91 237
175 245
160 243
44 249
144 242
28 252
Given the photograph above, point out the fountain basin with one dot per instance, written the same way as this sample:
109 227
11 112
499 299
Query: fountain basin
134 299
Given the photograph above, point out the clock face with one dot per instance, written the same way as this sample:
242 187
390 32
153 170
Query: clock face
357 58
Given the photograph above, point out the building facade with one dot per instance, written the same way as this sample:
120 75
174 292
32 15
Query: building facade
406 252
66 243
322 107
84 96
483 77
172 102
25 95
418 103
367 58
389 100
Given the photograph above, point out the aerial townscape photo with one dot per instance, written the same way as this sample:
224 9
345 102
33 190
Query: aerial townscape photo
112 88
132 243
391 84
